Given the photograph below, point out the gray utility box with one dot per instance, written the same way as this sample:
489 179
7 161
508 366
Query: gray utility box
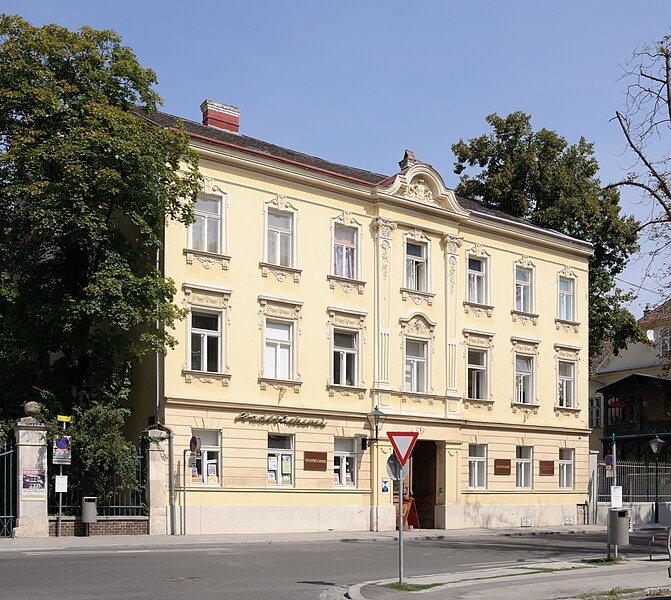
618 527
89 509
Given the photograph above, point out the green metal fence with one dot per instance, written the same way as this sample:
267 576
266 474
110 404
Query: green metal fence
123 502
8 489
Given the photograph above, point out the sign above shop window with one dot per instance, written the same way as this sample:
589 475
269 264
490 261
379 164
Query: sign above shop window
546 467
314 461
265 419
501 466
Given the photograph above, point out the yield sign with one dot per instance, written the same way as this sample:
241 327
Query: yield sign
403 443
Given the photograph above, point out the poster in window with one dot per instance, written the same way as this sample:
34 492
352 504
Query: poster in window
212 473
286 465
194 474
272 463
271 477
286 478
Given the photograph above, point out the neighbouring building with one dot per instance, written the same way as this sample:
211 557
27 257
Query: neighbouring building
631 393
317 292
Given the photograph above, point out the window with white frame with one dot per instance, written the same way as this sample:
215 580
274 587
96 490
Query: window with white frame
566 300
523 289
345 252
477 280
566 456
416 266
345 346
206 465
416 368
524 379
278 359
344 461
477 466
566 384
206 228
523 466
280 459
205 340
477 374
595 412
280 238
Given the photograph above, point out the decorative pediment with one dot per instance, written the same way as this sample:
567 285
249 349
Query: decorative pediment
421 183
417 325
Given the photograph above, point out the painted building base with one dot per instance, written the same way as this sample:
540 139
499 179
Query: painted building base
273 519
459 516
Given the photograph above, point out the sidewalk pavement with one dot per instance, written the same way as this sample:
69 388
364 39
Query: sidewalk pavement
155 541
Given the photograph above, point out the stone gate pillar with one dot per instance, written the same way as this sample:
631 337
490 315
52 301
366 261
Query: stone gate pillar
31 484
157 496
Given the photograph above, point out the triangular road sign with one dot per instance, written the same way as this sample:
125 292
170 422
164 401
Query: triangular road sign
403 443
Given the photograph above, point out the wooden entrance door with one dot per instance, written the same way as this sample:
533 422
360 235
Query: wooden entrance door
424 482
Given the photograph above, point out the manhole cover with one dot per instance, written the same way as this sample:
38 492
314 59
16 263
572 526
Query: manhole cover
182 579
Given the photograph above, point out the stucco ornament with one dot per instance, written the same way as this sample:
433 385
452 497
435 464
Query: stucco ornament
419 190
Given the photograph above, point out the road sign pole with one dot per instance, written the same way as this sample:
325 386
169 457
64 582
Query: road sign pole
400 530
60 500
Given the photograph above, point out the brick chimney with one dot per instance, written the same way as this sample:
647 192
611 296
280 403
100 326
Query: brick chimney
222 116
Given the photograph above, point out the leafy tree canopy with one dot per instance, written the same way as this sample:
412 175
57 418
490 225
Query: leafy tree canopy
541 177
86 185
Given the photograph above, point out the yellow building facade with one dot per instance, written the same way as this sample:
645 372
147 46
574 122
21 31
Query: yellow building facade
317 292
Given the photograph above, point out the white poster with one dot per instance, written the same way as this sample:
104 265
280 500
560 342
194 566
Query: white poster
616 496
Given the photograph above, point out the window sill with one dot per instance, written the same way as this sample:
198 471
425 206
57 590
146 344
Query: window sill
478 403
280 272
280 384
567 326
208 259
206 377
417 296
524 317
346 390
478 309
567 411
346 283
525 407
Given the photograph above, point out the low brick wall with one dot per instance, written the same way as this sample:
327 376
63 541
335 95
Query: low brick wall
105 526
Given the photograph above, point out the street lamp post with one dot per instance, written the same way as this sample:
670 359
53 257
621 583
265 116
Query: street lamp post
376 420
656 444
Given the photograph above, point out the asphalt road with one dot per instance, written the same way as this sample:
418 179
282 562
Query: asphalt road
294 571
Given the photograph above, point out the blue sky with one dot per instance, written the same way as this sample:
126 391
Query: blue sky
358 82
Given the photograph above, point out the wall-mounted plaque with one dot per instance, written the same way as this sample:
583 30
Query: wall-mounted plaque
546 467
501 466
314 461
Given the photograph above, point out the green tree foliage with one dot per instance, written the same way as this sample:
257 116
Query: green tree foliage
541 177
86 185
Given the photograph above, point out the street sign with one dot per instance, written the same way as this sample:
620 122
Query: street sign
194 443
396 470
608 460
62 454
403 442
64 419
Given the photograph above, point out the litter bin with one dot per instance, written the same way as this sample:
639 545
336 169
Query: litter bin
89 509
618 527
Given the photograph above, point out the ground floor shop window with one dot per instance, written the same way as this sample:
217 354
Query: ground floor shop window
344 461
206 464
477 465
280 459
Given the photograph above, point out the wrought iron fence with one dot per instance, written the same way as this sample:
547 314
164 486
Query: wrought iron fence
8 489
640 482
114 502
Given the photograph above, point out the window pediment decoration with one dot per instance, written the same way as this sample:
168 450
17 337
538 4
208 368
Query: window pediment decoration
525 262
280 308
280 202
417 325
205 297
568 272
347 319
524 346
421 183
567 352
478 339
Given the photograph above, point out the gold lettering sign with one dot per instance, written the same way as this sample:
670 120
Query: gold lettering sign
501 466
314 461
245 417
